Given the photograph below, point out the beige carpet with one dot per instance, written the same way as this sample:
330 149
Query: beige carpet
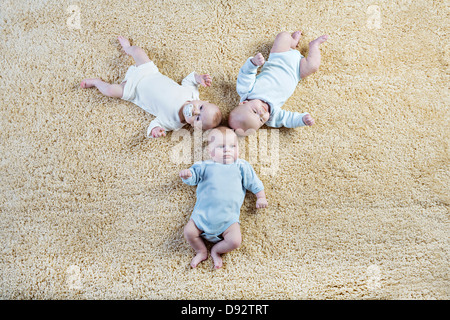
359 205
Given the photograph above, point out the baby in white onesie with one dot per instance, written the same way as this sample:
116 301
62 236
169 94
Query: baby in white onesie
263 95
173 105
221 186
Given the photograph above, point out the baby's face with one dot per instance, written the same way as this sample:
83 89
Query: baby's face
223 146
204 115
249 116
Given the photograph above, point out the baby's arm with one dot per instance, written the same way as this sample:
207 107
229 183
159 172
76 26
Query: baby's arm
246 78
289 119
192 175
261 201
252 183
194 79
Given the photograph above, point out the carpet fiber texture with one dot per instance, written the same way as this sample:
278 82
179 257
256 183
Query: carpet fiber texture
358 203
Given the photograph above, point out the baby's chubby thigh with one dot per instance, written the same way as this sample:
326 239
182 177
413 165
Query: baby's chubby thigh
233 235
191 230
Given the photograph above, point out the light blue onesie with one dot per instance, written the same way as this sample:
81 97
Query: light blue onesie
220 193
275 83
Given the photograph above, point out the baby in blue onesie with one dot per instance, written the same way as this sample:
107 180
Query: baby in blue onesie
263 95
221 186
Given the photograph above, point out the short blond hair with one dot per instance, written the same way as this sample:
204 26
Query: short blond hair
223 130
216 120
237 122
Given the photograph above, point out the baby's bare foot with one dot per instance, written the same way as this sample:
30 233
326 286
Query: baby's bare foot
296 36
198 258
124 43
88 83
217 259
319 40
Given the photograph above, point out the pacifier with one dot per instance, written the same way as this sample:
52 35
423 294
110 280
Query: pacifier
188 110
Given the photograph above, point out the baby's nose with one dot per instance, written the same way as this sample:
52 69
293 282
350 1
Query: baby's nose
196 110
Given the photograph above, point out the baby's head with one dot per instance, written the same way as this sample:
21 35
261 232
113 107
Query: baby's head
202 114
249 116
223 145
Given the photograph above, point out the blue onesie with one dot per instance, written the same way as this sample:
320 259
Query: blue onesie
276 82
220 193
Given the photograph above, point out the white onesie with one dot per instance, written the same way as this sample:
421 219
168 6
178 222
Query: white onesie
159 95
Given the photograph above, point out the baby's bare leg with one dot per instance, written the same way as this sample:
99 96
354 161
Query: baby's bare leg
231 240
311 64
192 236
138 54
110 90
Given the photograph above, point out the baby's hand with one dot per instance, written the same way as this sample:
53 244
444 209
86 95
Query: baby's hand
261 203
186 173
258 60
158 132
203 79
308 120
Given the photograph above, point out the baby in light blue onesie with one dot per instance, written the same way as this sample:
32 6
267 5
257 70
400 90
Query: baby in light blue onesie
263 95
221 186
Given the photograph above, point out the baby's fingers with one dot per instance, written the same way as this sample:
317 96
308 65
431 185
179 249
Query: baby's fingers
207 80
260 56
158 132
185 173
260 204
308 120
258 59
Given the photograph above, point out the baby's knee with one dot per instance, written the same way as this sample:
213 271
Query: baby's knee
235 241
284 34
314 67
